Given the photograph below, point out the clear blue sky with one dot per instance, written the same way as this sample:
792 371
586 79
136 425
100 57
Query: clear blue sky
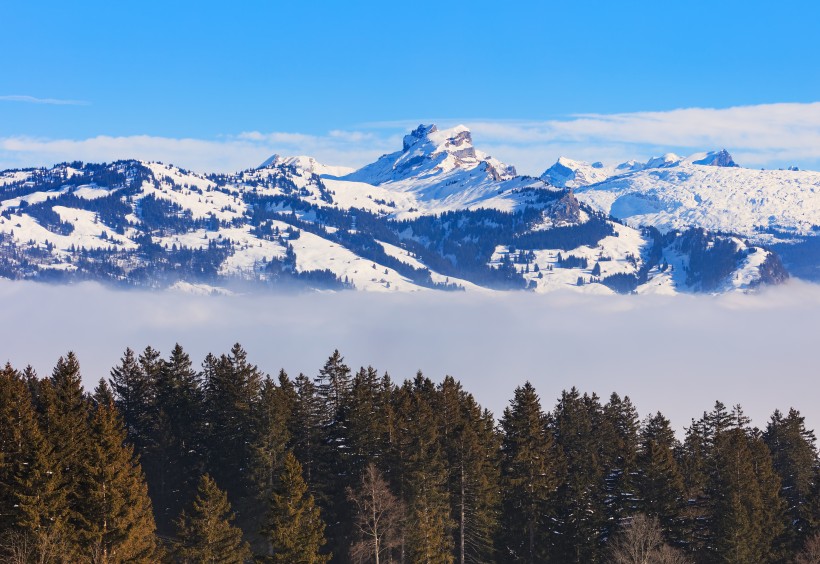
204 70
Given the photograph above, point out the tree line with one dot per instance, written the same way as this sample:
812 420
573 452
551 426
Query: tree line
167 462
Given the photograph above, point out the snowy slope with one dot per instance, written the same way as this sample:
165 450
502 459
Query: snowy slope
730 199
307 164
436 171
295 220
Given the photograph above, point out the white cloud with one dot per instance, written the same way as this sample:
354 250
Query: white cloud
227 154
49 101
673 354
768 135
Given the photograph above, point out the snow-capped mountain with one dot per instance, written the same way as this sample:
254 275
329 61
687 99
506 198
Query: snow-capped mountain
711 191
569 173
306 164
438 214
439 170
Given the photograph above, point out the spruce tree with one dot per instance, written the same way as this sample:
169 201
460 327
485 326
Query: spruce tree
116 522
10 446
307 431
744 490
333 384
294 525
620 450
659 480
66 428
794 458
532 469
133 391
424 474
580 431
177 451
471 445
35 506
232 388
267 449
206 533
369 413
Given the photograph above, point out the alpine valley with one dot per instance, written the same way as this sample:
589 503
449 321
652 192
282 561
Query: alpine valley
438 214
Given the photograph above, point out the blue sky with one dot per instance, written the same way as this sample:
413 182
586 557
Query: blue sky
221 83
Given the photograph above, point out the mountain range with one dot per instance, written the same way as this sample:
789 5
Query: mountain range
437 214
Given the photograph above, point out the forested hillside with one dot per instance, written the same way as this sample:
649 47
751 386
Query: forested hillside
166 461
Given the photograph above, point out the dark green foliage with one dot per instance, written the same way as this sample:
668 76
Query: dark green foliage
176 455
294 527
532 469
581 521
232 390
34 497
471 447
423 473
794 458
206 533
571 485
620 451
133 388
659 480
116 520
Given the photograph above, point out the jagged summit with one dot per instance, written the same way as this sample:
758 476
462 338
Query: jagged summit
715 158
429 151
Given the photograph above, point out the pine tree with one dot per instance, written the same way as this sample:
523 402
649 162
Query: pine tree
424 475
659 480
66 428
532 469
333 384
206 533
35 506
294 526
307 430
795 459
580 431
744 489
232 388
472 448
621 454
10 381
176 455
133 391
116 519
271 434
268 446
368 414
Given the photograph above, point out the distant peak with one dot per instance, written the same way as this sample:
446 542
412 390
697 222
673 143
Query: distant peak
428 150
667 160
716 158
306 164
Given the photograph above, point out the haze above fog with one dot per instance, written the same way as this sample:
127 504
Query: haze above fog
677 355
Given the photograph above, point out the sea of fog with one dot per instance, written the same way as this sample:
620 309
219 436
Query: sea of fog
674 354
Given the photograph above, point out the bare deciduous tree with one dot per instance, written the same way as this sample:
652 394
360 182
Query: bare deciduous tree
379 518
44 547
640 541
811 551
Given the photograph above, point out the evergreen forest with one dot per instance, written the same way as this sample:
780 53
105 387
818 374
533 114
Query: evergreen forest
165 461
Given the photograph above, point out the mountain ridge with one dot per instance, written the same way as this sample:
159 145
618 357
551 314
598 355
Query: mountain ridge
437 214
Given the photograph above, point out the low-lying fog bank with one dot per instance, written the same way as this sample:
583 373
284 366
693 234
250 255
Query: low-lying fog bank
677 355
